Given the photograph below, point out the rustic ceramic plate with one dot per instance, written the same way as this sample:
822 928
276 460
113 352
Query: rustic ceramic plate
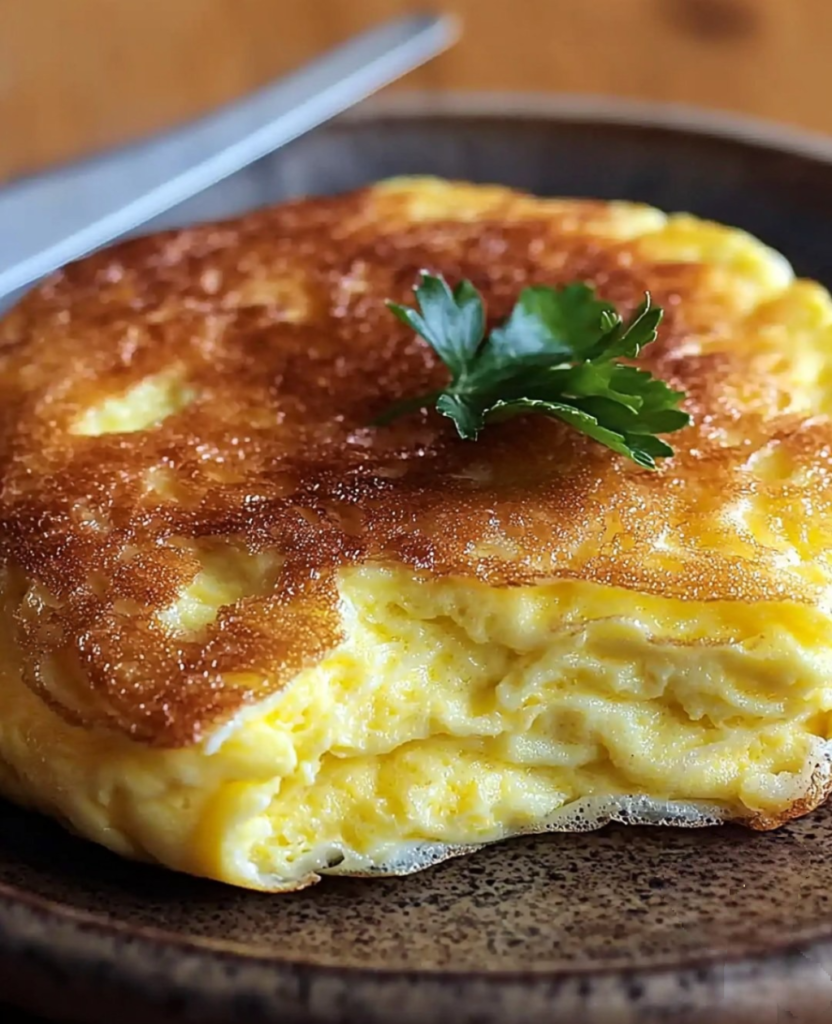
618 926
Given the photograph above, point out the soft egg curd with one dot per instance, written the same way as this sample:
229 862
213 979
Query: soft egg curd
455 715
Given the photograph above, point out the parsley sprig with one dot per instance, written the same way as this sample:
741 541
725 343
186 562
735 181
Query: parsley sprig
558 354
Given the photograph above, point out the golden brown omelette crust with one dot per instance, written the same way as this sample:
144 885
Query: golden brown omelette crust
277 322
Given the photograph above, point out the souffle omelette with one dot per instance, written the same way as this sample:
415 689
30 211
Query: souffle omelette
250 635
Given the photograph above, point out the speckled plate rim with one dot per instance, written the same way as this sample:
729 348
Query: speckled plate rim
818 939
49 952
133 971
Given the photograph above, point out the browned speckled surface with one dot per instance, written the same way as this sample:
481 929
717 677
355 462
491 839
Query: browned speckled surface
278 324
617 927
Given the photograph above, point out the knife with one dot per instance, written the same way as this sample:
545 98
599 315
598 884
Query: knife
55 217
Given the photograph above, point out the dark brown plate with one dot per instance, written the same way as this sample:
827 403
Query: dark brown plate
622 925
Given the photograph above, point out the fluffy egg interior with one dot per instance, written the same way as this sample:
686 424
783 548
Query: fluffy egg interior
453 714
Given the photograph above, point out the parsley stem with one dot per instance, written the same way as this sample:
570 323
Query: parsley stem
405 406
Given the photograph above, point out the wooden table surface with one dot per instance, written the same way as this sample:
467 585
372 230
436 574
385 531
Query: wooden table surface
79 75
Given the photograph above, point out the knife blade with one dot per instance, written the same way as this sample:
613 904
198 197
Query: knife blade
55 217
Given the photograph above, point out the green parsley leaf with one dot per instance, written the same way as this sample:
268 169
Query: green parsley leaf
564 322
556 355
465 410
452 322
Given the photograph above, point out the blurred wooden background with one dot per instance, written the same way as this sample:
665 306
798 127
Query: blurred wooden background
78 75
